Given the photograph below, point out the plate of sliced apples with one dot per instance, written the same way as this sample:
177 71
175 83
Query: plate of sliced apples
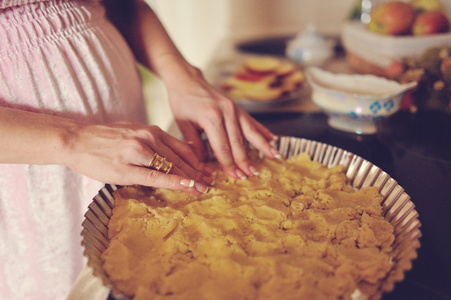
261 81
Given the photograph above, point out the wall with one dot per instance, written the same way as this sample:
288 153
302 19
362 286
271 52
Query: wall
259 18
196 27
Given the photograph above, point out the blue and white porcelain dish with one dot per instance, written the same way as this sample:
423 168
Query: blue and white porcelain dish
355 102
309 48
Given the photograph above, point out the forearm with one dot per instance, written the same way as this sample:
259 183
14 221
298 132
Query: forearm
148 39
33 138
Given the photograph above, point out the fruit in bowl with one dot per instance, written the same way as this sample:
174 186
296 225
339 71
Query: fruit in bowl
393 18
370 52
426 5
430 22
417 17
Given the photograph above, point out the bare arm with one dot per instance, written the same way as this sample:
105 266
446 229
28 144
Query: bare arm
147 37
32 138
114 153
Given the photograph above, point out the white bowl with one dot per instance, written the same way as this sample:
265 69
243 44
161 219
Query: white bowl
354 102
381 50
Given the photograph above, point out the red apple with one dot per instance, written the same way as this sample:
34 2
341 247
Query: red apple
430 22
393 18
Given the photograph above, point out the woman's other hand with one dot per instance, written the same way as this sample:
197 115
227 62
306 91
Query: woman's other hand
198 108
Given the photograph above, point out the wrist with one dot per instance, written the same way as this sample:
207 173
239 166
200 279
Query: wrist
66 139
175 69
34 138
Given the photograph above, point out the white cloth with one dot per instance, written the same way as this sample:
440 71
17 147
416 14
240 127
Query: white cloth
88 287
61 58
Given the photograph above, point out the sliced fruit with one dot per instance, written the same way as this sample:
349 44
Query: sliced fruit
263 79
285 69
263 94
294 81
263 65
249 76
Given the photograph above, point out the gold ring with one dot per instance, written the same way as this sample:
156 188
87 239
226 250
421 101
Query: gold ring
160 163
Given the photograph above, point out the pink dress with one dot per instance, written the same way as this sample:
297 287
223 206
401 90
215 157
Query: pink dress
62 58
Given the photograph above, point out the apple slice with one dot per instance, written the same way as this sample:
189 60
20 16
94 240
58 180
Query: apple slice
262 65
263 94
294 81
237 83
285 69
236 93
249 76
263 79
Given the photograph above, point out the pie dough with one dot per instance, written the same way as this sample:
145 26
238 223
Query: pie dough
298 230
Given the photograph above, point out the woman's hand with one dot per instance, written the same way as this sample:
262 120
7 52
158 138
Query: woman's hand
117 153
120 153
198 108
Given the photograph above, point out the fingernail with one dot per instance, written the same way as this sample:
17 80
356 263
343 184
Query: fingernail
201 188
187 182
254 170
276 153
240 174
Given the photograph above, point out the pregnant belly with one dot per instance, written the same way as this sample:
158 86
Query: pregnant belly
68 60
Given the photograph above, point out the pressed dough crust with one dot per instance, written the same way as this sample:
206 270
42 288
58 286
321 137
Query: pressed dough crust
296 231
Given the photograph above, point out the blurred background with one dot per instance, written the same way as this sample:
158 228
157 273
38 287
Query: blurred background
201 28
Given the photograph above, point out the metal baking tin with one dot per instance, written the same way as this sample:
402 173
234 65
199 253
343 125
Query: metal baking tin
397 206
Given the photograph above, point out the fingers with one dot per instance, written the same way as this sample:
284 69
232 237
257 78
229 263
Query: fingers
183 159
236 140
149 147
157 179
227 132
161 172
120 153
194 139
259 136
219 141
152 147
